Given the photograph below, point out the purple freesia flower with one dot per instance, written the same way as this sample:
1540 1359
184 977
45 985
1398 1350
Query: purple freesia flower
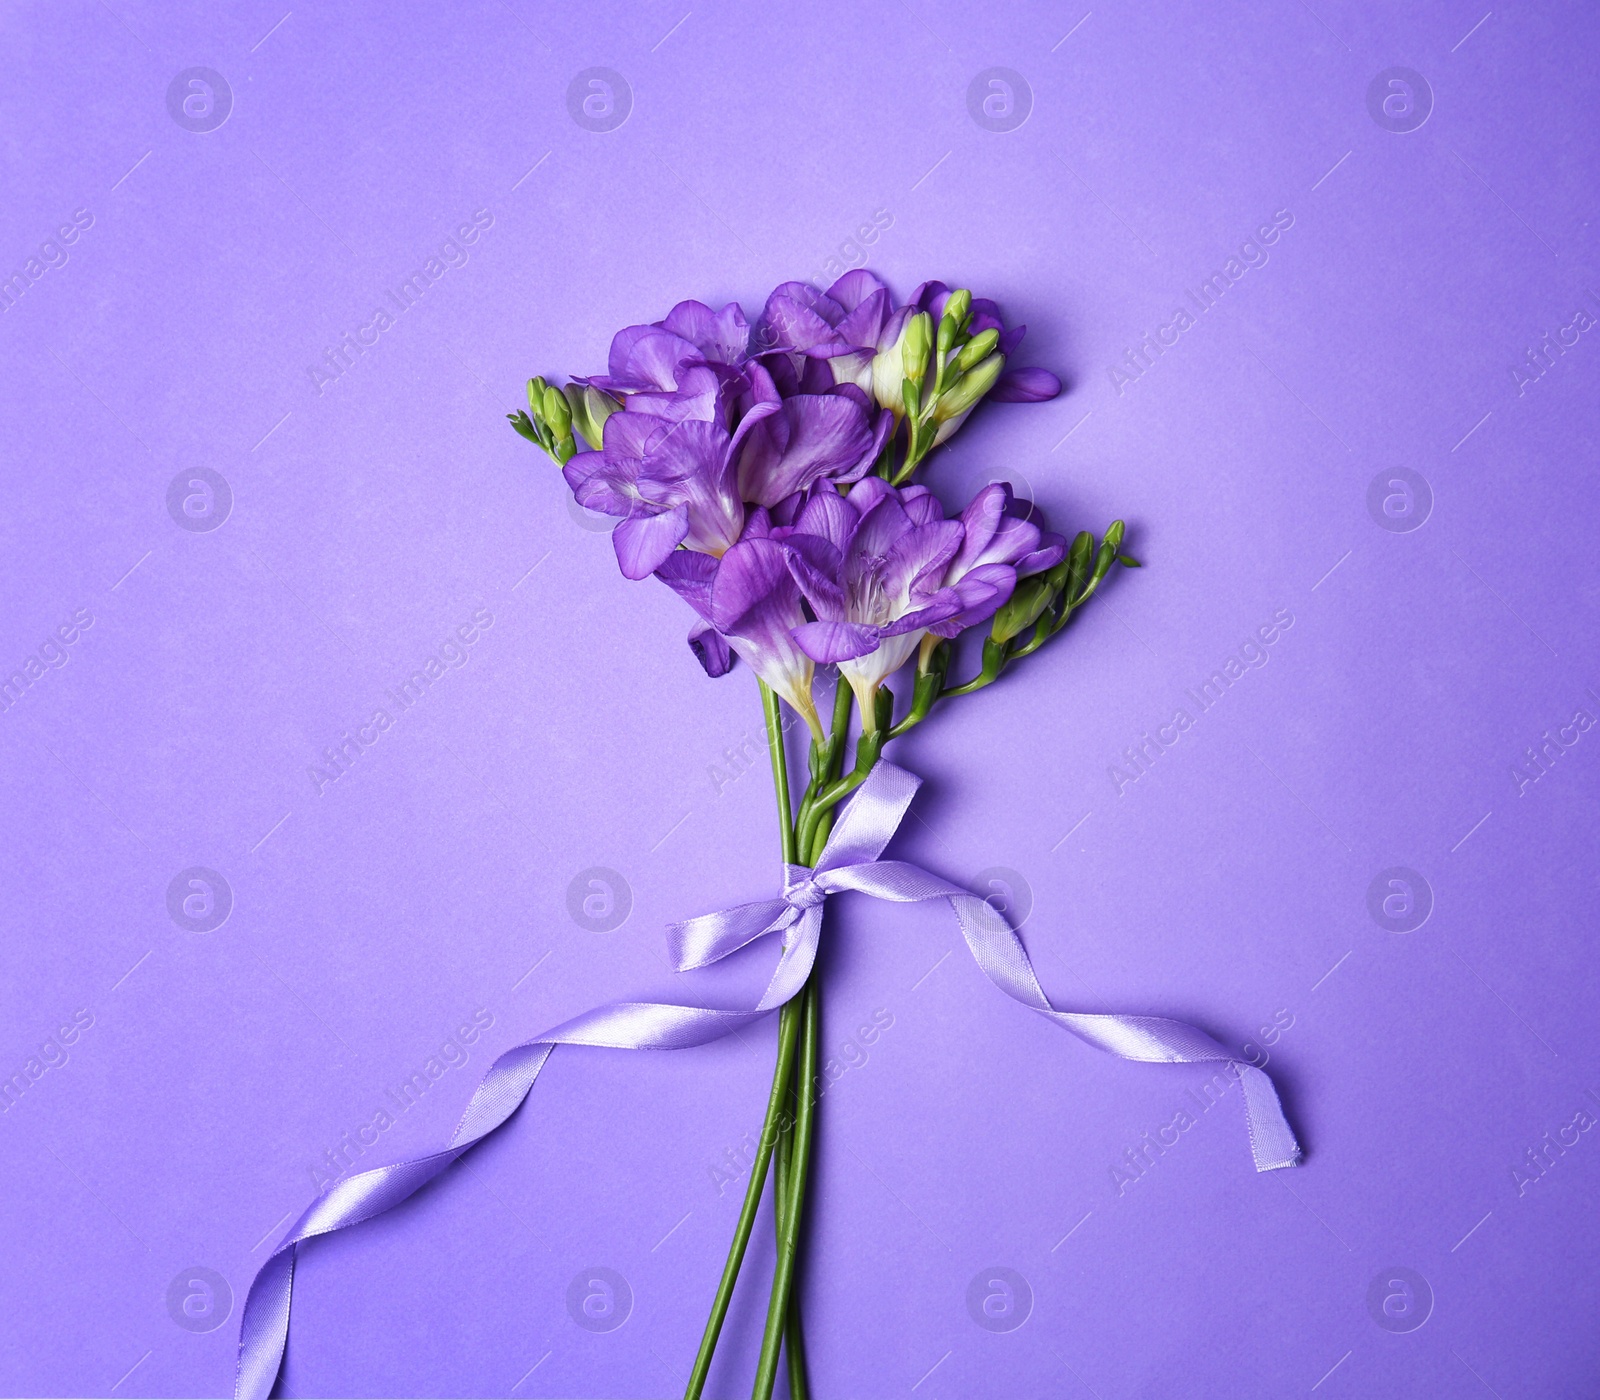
876 366
650 358
999 545
1015 386
800 320
749 604
670 483
872 565
809 437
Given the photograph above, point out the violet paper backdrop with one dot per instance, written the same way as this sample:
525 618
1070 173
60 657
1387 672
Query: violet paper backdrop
1360 468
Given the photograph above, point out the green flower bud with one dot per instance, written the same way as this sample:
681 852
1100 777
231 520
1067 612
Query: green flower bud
958 309
911 396
967 390
590 409
975 349
1022 609
556 412
915 342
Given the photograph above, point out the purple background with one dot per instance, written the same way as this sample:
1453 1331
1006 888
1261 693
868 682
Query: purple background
372 516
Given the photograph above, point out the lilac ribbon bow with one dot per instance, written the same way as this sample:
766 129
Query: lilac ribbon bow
849 861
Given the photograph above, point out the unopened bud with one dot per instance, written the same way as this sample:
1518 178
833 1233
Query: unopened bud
968 389
590 409
1022 609
975 349
915 343
556 412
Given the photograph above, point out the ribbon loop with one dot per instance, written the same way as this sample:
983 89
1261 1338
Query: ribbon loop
849 861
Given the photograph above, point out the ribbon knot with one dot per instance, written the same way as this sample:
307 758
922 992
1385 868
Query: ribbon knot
801 889
849 861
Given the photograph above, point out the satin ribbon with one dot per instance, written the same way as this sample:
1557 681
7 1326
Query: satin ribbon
849 861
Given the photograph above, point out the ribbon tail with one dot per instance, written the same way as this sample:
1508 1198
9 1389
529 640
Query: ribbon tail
1000 953
1272 1140
264 1330
264 1323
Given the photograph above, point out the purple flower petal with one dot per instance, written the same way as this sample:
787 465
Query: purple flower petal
595 485
704 391
622 344
711 649
755 604
666 465
815 436
816 376
759 399
864 324
923 619
721 337
692 466
643 542
895 325
1029 385
645 358
881 524
780 368
979 521
918 556
787 509
985 316
854 288
836 641
867 492
946 603
982 593
829 515
931 297
752 577
1051 551
815 565
799 318
631 437
690 575
921 505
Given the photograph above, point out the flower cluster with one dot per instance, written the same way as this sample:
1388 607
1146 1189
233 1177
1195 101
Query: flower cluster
764 474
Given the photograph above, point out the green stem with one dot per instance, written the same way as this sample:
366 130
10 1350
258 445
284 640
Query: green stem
994 660
789 1020
780 770
826 761
788 1034
793 1338
778 1309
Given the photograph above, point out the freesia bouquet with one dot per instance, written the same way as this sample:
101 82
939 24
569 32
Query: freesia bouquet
767 476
